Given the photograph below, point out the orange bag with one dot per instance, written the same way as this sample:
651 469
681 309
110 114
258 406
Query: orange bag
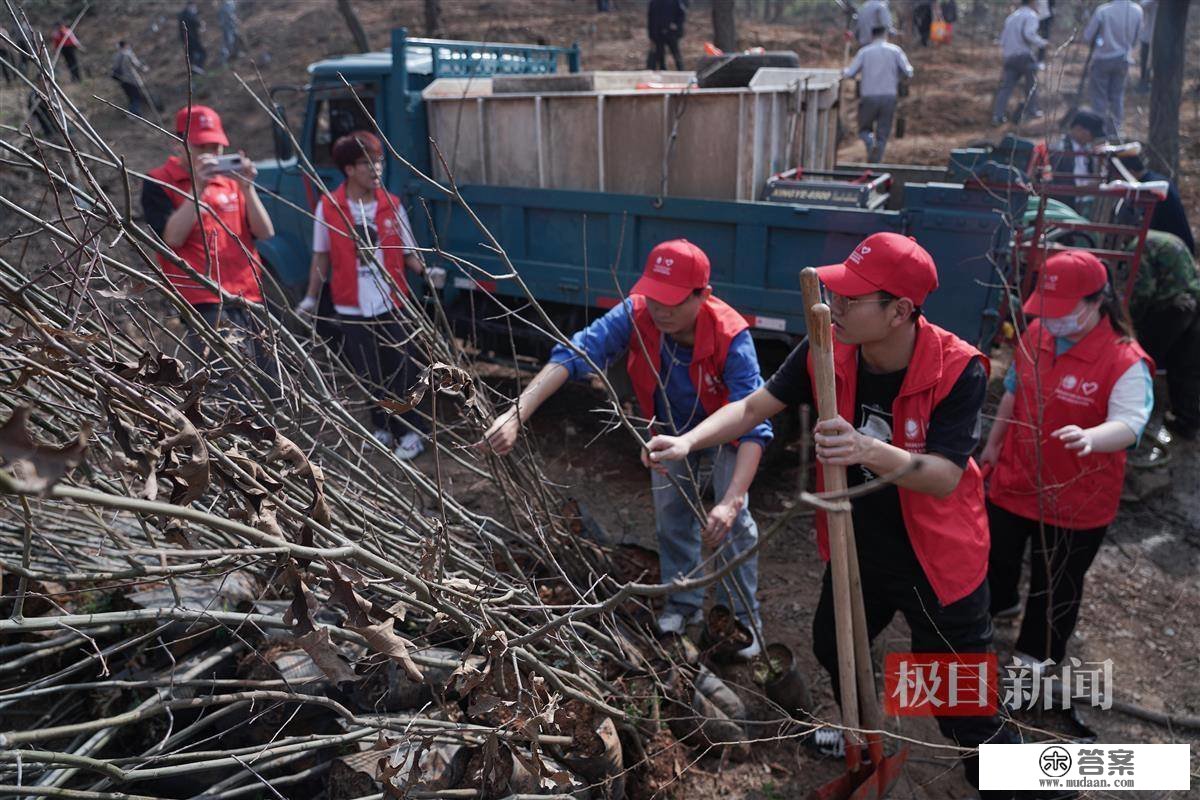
940 32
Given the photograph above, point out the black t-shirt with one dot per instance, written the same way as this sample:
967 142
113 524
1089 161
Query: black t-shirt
157 207
954 431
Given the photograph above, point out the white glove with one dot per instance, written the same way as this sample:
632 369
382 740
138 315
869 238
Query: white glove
306 306
436 277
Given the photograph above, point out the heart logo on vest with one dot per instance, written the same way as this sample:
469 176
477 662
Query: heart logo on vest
1090 387
1069 382
910 427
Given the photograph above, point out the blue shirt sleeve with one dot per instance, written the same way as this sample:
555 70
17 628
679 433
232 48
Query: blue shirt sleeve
743 378
604 341
1010 379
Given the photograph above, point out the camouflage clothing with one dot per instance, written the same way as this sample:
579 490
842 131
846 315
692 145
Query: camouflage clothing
1166 296
1167 275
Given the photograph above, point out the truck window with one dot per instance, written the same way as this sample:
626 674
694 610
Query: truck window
337 113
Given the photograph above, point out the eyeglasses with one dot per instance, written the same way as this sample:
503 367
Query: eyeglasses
840 302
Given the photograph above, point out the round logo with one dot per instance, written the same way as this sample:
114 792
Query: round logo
1055 762
1069 381
910 427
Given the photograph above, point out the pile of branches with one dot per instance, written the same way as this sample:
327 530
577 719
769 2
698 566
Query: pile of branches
216 581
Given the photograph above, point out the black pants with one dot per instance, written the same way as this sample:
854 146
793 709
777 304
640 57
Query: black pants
658 55
196 53
1170 332
923 21
5 69
1056 578
379 350
964 626
72 58
1145 63
250 342
134 94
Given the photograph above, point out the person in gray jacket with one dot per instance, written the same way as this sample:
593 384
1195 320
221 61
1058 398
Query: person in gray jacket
1114 31
1019 45
882 65
873 14
127 70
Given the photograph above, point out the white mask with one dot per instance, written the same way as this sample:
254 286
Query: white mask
1070 324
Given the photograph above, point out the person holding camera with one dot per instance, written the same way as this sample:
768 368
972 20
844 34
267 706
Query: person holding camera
215 236
362 244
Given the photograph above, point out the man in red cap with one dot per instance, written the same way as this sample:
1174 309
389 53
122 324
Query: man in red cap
217 244
688 355
909 397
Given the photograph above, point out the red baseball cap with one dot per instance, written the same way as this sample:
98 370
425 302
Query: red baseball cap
1065 279
673 271
201 125
884 262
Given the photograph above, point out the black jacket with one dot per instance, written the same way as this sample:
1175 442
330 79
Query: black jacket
1169 214
664 19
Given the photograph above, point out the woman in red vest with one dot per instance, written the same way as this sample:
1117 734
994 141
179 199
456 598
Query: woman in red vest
688 355
362 244
63 40
1077 396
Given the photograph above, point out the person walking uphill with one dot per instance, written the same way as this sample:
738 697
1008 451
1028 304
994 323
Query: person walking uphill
1019 46
366 283
191 33
664 26
882 66
126 71
909 396
689 355
1114 30
1078 395
63 40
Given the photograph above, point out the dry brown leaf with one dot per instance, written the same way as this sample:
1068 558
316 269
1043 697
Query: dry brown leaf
382 638
320 649
36 466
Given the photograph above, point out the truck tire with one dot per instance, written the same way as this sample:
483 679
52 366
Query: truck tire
729 71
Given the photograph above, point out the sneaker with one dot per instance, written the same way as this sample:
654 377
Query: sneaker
411 445
827 743
1010 612
384 436
1036 115
997 121
749 651
675 622
1041 66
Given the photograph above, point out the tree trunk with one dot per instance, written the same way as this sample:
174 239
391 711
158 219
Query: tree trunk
356 29
724 25
433 16
1166 84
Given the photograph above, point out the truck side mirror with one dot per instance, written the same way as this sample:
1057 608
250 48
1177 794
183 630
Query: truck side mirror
281 133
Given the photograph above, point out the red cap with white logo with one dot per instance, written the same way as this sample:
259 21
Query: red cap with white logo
201 125
884 262
673 271
1066 278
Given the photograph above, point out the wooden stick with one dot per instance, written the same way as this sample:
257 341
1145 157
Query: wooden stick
820 345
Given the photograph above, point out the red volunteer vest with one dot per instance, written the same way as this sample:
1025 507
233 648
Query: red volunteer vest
1074 493
949 535
343 255
234 261
716 325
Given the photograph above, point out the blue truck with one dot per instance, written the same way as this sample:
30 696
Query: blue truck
566 244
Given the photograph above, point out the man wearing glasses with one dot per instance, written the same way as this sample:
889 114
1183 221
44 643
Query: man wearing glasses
366 274
909 396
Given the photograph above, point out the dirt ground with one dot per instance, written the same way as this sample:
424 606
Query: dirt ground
1143 588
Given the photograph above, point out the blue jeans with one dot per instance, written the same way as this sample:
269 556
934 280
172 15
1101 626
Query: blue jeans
1106 89
679 535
